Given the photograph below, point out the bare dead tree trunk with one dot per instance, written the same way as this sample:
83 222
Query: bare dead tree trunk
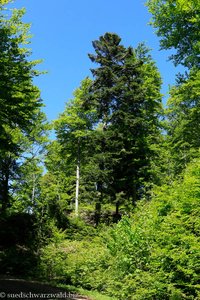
77 188
77 181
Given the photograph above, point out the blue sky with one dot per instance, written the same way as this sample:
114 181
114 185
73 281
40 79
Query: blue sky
63 32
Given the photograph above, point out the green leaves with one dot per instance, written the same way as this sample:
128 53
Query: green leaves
183 115
155 253
19 97
177 23
19 100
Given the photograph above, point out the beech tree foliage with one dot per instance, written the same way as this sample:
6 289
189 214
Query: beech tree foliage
73 129
19 97
177 23
183 115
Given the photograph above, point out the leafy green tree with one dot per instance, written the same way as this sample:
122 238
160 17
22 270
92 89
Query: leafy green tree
26 187
19 98
177 23
57 186
183 115
73 129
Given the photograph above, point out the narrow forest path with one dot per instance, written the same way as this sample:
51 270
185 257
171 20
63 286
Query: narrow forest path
12 288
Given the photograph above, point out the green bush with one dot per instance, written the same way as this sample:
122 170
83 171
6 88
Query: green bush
155 254
79 263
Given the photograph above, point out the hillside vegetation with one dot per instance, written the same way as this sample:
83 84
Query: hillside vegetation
154 254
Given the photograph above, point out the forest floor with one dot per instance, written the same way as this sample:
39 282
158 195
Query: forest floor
12 288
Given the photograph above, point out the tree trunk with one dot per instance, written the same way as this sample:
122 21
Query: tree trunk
5 194
117 208
33 189
77 188
97 213
116 216
77 181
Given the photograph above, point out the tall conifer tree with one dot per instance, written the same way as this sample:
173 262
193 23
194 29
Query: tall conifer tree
127 105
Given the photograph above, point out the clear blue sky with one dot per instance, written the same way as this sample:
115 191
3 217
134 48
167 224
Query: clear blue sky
62 34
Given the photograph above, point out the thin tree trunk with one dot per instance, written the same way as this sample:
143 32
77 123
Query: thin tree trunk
5 185
117 208
98 204
5 194
116 216
33 189
97 213
77 188
77 181
100 184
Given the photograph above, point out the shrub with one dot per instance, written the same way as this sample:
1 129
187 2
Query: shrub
155 254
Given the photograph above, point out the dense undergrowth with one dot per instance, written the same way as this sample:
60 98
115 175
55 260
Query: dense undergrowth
154 254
